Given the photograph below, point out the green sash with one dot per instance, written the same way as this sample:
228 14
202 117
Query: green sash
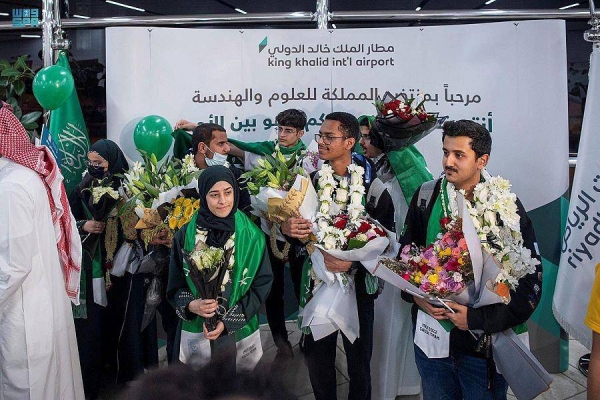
80 311
410 168
249 249
267 147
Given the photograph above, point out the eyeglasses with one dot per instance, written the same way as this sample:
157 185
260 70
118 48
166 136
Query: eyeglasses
286 131
327 139
94 163
366 138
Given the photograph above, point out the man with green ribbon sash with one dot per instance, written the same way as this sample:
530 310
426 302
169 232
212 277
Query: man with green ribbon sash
244 286
463 366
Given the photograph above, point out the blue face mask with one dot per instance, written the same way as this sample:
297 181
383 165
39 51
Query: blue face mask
218 159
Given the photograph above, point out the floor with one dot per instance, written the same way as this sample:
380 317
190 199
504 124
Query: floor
568 385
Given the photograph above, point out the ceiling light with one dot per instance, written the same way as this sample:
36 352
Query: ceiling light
569 6
80 16
241 11
31 36
487 3
125 5
4 14
333 26
418 8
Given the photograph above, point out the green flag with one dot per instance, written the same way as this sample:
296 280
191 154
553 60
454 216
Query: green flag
68 131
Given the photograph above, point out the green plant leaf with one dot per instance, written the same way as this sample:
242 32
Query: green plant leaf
31 117
19 87
10 72
20 63
30 126
4 64
4 82
12 102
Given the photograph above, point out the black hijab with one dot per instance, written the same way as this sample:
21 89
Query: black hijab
219 229
110 151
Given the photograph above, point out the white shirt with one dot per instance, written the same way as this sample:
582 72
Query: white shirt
38 347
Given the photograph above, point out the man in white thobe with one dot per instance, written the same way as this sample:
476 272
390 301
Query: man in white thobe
39 267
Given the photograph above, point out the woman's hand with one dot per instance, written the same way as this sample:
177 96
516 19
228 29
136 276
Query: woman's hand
92 226
204 308
216 333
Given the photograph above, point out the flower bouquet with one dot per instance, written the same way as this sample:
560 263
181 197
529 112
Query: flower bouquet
441 270
278 189
209 269
344 232
150 185
403 122
100 200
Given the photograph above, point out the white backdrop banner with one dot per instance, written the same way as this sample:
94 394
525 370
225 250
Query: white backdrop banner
509 76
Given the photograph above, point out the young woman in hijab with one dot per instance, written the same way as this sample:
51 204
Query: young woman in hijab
218 223
105 159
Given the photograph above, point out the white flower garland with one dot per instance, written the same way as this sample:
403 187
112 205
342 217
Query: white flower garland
492 199
344 191
201 236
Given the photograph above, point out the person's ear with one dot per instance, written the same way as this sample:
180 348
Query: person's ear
350 142
482 161
300 133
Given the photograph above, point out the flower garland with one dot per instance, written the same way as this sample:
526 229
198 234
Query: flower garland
344 191
201 236
494 214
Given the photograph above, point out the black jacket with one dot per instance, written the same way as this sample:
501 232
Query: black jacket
492 318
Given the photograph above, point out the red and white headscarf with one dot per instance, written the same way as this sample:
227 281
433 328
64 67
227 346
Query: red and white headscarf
16 146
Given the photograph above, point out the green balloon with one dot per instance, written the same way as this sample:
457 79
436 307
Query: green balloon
153 135
52 86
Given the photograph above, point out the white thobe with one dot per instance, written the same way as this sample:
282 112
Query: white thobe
393 368
38 347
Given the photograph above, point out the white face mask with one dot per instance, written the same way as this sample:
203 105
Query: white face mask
218 159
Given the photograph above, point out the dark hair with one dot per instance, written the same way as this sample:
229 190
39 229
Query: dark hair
481 140
348 123
366 120
215 381
292 117
203 134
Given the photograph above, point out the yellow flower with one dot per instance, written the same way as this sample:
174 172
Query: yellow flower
172 222
177 212
186 202
434 278
418 278
446 252
197 204
437 269
181 223
189 210
178 201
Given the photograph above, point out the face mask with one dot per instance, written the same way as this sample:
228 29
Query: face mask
96 171
218 159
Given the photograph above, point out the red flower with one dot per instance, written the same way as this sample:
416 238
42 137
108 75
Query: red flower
364 227
444 222
340 221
